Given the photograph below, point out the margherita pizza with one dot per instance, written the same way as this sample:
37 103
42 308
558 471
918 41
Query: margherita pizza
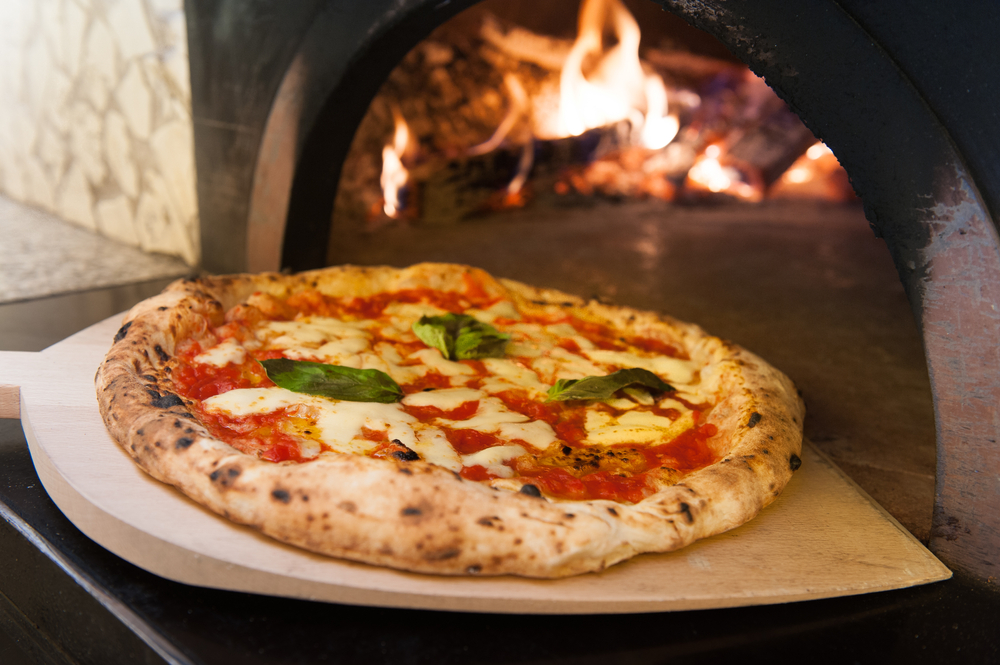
436 419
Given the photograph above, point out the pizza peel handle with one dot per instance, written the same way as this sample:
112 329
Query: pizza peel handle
16 370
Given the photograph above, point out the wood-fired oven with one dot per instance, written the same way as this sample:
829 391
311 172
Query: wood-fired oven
905 97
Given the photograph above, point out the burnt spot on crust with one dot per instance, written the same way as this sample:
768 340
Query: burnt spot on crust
347 506
754 419
226 475
162 309
120 335
530 490
183 443
613 512
164 356
686 509
794 462
164 401
281 495
487 521
442 555
406 472
411 511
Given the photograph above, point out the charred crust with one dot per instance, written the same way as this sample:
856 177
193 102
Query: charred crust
281 495
162 309
613 511
794 462
442 555
347 506
754 419
411 511
487 521
120 335
164 356
686 509
165 401
183 443
224 476
569 516
530 490
406 472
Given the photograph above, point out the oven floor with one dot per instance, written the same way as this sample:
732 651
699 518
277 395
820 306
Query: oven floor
807 286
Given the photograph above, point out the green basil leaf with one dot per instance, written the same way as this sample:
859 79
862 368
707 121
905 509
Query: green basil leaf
603 387
346 383
461 337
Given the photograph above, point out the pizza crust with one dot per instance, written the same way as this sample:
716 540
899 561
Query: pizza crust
420 517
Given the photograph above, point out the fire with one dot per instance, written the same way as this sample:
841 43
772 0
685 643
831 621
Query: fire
617 87
394 174
709 173
737 138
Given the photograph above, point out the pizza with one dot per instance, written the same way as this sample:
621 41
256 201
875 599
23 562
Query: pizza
439 420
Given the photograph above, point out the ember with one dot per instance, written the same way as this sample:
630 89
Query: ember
498 116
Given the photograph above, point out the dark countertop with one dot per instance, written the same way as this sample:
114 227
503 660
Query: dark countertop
65 599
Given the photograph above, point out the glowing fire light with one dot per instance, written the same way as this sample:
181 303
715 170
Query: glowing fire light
394 174
709 173
617 88
518 108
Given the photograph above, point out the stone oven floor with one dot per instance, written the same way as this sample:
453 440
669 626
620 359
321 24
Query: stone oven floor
806 286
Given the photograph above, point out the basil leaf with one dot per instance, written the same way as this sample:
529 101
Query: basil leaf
603 387
461 337
346 383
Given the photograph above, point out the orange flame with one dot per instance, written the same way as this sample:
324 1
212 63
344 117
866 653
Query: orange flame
617 88
394 174
708 173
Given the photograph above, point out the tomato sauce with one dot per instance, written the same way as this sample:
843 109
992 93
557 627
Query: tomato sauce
468 441
476 472
258 434
427 413
687 452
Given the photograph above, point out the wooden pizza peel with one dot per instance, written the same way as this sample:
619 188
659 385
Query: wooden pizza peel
823 537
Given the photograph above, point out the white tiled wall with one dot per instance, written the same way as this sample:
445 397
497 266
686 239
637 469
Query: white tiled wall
95 117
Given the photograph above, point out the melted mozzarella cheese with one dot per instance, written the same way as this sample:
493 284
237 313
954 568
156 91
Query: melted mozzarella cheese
433 446
491 414
252 401
446 399
493 459
638 427
507 374
433 359
220 355
672 370
339 423
537 434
